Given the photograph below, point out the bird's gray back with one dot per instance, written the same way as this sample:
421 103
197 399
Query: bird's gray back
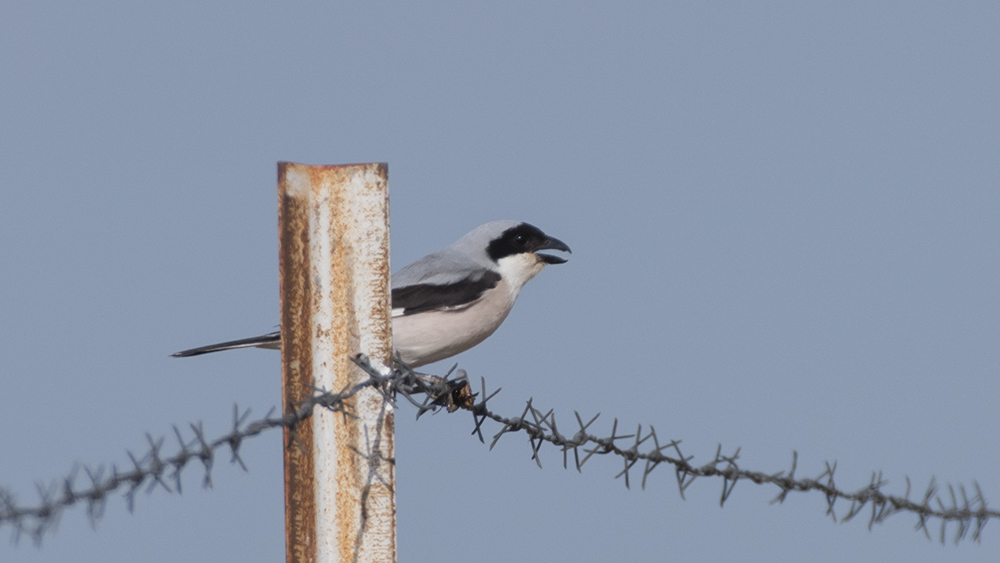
465 258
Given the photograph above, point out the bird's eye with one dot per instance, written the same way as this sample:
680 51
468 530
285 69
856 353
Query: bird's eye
520 241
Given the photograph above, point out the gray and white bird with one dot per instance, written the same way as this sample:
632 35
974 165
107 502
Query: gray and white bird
450 300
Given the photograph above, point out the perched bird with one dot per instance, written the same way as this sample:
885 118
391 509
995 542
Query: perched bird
453 299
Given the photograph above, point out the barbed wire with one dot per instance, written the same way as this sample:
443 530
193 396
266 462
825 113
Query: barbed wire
153 469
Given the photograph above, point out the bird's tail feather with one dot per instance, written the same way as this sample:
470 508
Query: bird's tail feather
270 340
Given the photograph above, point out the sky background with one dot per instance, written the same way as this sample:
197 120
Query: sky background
785 222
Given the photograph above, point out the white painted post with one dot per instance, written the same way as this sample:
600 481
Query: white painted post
334 259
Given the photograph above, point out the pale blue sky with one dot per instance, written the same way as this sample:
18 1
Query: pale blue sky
785 222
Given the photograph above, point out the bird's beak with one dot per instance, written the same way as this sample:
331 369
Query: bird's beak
553 244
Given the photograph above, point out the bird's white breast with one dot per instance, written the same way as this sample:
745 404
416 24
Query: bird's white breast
427 337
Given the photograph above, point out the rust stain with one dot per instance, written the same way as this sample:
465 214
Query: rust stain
342 272
300 484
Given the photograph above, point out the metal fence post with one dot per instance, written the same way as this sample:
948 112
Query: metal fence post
334 259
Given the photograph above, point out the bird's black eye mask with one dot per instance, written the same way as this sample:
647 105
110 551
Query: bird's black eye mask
525 238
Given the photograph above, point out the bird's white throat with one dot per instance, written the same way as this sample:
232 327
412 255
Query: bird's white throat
518 269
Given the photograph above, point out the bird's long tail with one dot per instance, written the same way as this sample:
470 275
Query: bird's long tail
270 340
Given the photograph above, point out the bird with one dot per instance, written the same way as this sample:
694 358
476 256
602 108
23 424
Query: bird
453 299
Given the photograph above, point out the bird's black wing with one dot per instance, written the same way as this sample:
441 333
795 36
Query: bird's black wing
423 297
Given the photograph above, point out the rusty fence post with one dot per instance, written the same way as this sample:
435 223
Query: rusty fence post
334 259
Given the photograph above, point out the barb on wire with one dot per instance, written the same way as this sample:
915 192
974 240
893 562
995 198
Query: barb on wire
155 470
644 449
640 451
